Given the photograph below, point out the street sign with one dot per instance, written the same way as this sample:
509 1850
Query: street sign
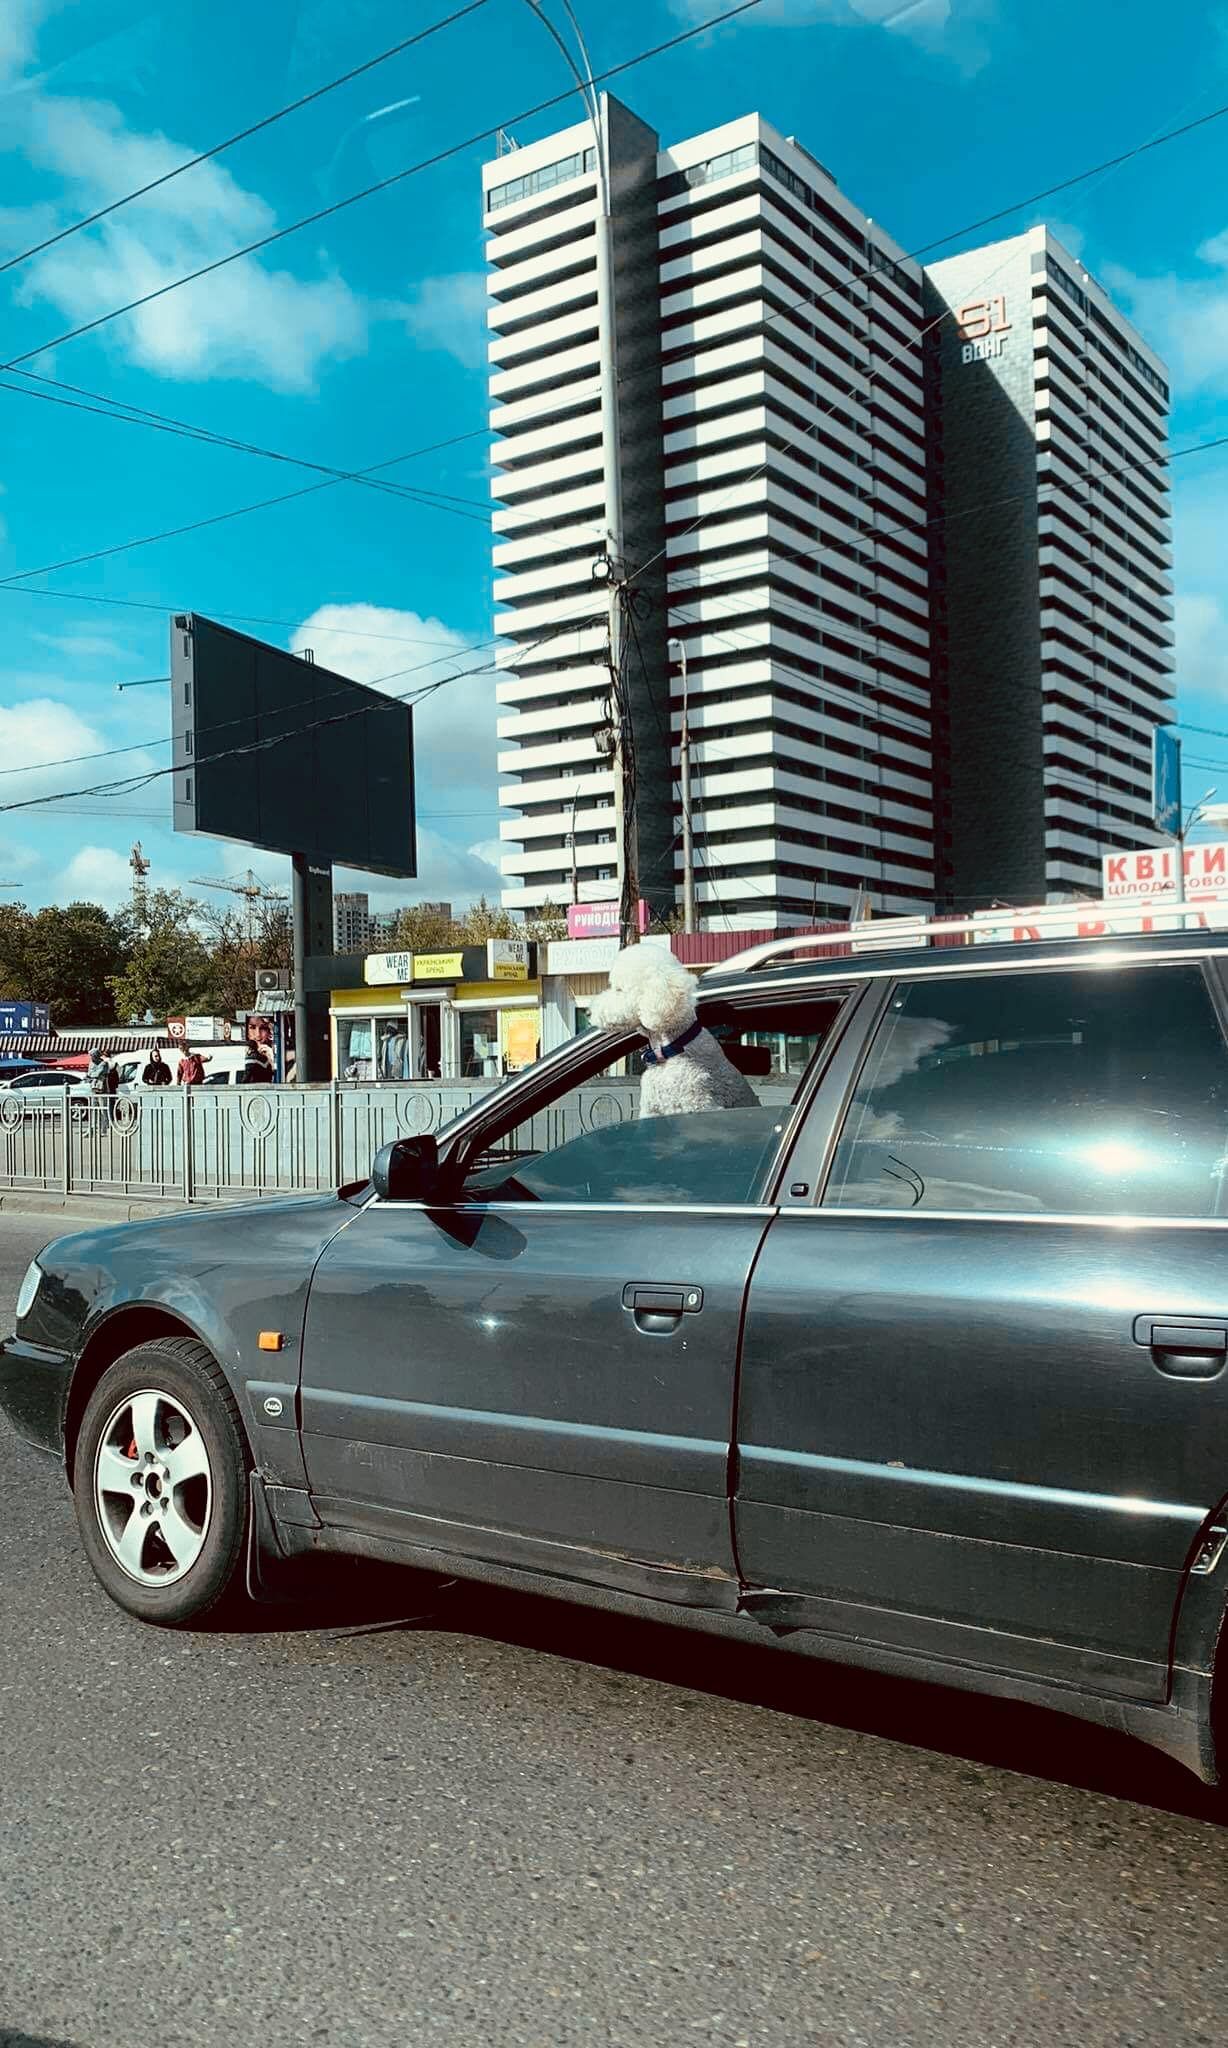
1166 780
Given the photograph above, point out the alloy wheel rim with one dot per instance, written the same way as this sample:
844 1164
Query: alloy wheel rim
153 1488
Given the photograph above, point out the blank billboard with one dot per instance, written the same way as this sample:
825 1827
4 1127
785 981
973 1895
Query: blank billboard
279 753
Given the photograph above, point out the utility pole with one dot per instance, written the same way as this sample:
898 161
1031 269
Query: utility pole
613 569
689 921
571 841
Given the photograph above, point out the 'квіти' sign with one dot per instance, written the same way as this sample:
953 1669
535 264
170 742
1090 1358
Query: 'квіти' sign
1148 874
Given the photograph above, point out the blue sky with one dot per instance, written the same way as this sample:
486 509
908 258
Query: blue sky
362 338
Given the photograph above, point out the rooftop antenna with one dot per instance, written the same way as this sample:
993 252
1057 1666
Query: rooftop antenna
505 143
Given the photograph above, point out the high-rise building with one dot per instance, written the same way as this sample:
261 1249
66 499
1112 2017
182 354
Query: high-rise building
802 474
767 347
1051 561
351 921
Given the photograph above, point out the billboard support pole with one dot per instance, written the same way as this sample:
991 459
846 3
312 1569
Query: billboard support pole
302 947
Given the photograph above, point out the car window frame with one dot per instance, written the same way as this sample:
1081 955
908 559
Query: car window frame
1213 968
589 1054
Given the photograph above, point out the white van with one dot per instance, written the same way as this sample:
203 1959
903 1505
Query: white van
224 1065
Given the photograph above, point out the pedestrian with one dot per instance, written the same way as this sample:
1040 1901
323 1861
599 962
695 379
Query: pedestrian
155 1073
257 1073
192 1069
101 1077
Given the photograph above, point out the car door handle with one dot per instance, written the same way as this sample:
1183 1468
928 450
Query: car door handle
659 1310
1190 1351
662 1301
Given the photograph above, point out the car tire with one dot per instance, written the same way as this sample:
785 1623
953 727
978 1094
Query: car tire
160 1484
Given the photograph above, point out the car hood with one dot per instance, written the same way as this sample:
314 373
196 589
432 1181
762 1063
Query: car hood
208 1266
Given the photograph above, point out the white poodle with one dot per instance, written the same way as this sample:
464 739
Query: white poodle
652 992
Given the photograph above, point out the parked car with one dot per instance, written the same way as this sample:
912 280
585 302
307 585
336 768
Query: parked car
48 1089
917 1364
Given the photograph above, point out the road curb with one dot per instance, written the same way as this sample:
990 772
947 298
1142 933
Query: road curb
89 1209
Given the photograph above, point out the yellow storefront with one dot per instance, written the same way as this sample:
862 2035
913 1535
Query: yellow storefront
469 1014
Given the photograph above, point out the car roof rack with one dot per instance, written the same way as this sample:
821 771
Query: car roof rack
1005 924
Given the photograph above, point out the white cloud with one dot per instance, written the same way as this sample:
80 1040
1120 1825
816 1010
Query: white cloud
454 728
19 21
449 313
952 27
95 874
244 321
82 645
39 732
455 742
446 873
1184 318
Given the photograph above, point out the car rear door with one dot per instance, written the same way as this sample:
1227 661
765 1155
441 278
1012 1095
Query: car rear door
984 1405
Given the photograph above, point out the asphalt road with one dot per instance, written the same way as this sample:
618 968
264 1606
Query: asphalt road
513 1823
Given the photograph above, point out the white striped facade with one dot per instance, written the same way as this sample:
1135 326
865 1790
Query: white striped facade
794 503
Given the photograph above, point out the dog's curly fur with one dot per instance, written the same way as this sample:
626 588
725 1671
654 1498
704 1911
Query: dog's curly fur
652 992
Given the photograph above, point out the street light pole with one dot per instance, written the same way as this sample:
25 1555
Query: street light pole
1204 812
620 760
689 921
571 841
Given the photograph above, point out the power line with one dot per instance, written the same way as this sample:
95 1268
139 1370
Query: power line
381 185
871 708
138 604
808 300
135 782
255 128
124 414
124 547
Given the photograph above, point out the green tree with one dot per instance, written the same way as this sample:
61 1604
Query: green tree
71 957
485 920
240 942
550 923
425 931
166 966
15 924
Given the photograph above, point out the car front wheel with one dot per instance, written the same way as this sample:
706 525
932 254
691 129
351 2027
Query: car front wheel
160 1485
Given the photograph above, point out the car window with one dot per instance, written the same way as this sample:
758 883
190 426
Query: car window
1084 1093
591 1140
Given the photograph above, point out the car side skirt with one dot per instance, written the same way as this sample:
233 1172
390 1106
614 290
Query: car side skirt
1181 1728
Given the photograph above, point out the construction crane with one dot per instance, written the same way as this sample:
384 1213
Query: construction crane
247 885
139 863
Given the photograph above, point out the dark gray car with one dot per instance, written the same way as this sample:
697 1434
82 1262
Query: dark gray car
919 1363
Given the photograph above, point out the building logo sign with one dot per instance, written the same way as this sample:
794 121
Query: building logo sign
383 970
1149 873
507 960
982 327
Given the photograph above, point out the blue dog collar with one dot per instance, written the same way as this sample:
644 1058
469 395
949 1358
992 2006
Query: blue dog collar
676 1045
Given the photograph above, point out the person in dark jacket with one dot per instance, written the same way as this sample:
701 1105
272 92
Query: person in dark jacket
155 1073
257 1073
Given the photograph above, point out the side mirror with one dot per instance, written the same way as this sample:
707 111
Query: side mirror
407 1170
